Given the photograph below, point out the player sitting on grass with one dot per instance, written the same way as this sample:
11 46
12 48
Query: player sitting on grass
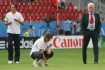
41 51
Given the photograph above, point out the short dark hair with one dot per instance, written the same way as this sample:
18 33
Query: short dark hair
15 5
48 35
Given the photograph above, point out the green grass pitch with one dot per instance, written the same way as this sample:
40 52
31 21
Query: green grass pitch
63 59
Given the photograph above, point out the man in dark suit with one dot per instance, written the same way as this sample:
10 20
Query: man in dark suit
90 27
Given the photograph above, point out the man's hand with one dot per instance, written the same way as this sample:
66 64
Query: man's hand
8 23
16 20
48 52
21 22
46 63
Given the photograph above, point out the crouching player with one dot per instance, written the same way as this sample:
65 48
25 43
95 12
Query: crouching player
41 51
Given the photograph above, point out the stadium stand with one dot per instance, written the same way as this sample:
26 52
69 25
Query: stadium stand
38 9
83 5
35 12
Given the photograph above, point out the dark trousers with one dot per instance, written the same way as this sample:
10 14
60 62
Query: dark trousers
39 55
67 32
87 35
16 39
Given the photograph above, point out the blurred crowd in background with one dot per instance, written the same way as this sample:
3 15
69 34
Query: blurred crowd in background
66 27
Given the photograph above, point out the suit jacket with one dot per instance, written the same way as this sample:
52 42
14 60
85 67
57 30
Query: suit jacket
85 22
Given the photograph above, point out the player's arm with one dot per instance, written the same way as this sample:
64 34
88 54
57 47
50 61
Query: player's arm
21 22
6 20
44 58
48 50
7 23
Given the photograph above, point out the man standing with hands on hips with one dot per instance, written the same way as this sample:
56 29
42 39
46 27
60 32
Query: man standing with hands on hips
91 28
13 19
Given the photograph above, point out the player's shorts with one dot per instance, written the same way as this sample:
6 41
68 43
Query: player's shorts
40 56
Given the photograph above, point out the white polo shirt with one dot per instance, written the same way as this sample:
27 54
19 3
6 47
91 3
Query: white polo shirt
39 44
13 28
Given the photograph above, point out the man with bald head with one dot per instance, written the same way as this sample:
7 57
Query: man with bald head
90 28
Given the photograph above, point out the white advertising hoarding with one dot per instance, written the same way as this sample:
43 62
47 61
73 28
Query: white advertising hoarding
69 42
57 42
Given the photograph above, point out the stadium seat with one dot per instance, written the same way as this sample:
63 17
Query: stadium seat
70 4
49 3
33 18
33 10
38 3
7 10
80 10
2 4
76 10
0 7
0 14
2 0
72 10
23 11
38 0
33 3
26 10
65 10
18 10
4 13
2 10
24 18
45 3
38 18
60 18
11 1
7 3
48 10
43 11
26 3
48 0
42 17
64 18
42 3
28 18
19 3
67 3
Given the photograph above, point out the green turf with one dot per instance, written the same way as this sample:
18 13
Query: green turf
64 59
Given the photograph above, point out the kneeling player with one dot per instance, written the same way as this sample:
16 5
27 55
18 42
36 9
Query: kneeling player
41 51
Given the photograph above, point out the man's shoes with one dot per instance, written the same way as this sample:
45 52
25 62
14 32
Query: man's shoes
95 62
40 62
35 63
9 62
17 62
84 62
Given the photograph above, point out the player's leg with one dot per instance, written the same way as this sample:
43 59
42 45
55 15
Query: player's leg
84 47
48 55
95 46
10 48
17 48
36 56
